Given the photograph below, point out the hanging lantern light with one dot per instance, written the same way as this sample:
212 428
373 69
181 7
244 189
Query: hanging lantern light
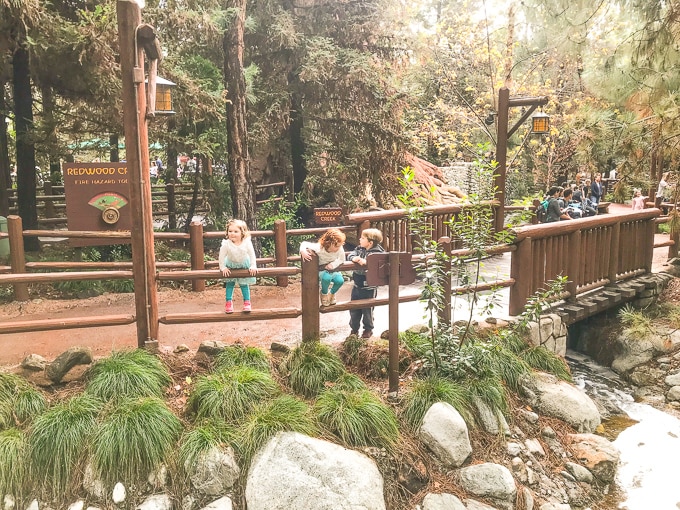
540 123
164 96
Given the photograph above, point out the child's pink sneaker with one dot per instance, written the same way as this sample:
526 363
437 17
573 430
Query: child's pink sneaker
229 307
246 306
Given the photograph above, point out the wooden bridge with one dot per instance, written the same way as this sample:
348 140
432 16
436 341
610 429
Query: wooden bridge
606 259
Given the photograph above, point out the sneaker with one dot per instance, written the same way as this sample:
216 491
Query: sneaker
229 307
325 299
332 299
247 306
354 332
367 333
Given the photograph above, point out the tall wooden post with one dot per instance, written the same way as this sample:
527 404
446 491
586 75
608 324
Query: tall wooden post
197 253
311 323
393 365
17 255
137 157
280 250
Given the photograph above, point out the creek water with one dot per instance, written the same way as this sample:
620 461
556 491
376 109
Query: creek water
648 439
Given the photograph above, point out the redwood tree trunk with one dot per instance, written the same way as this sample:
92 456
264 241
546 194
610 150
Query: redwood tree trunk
242 188
4 156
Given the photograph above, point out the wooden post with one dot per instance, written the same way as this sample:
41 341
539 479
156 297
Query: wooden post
501 157
137 155
674 248
444 314
614 251
197 253
17 255
49 201
393 365
650 228
573 263
172 216
521 290
311 324
280 250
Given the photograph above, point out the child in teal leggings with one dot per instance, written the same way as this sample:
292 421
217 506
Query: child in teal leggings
237 252
331 255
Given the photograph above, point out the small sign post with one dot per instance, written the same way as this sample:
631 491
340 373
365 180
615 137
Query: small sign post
391 269
327 216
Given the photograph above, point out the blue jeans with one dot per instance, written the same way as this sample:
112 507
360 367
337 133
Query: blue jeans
328 277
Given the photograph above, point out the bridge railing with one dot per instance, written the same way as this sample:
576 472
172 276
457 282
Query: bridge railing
592 252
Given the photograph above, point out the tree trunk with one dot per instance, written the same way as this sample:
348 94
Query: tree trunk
242 188
114 155
4 156
23 115
297 143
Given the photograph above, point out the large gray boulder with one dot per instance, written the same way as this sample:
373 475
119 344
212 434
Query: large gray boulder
491 481
215 471
559 399
445 433
296 472
442 502
632 352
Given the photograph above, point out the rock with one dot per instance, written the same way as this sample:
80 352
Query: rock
34 505
8 502
527 498
66 361
419 328
158 478
672 379
534 446
548 432
513 449
645 376
156 502
597 454
220 504
279 347
34 362
519 469
78 505
492 422
673 394
119 493
211 347
92 485
555 506
550 332
472 504
442 502
634 352
529 416
489 480
181 348
215 471
445 433
560 399
296 471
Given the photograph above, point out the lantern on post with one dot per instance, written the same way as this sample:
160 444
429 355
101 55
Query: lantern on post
164 96
540 123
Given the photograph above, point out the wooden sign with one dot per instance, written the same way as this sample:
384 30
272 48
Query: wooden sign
327 215
97 199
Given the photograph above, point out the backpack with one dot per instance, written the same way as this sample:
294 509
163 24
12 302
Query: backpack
542 211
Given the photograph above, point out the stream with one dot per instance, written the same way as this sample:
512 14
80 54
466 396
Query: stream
647 477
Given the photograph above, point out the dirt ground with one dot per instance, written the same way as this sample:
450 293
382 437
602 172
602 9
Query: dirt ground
102 340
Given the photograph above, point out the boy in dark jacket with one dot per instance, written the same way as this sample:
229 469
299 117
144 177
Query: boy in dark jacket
369 242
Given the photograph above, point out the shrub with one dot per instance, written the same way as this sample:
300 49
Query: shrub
127 374
269 418
58 441
310 366
357 417
235 355
426 392
230 394
13 464
133 440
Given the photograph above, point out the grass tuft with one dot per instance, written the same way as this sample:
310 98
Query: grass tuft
127 374
350 382
13 463
59 439
491 391
133 440
540 358
29 404
310 366
426 392
269 418
351 347
230 394
234 356
19 401
357 417
417 343
636 322
207 435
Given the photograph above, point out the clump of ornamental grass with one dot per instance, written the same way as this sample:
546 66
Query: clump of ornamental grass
423 393
540 358
417 343
357 417
20 402
310 366
127 374
351 348
230 394
489 390
507 366
635 321
133 439
285 413
13 463
59 439
29 404
201 439
349 382
236 355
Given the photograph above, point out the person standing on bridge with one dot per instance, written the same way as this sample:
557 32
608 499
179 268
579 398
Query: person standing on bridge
237 252
331 255
369 242
664 186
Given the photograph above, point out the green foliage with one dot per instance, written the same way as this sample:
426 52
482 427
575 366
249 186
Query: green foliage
271 211
59 439
489 390
28 404
237 355
635 321
417 343
357 417
13 463
540 358
133 439
538 301
270 417
230 394
349 382
351 348
310 366
201 439
423 393
127 374
19 401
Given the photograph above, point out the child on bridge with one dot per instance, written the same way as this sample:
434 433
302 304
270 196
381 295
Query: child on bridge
237 252
331 255
369 242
